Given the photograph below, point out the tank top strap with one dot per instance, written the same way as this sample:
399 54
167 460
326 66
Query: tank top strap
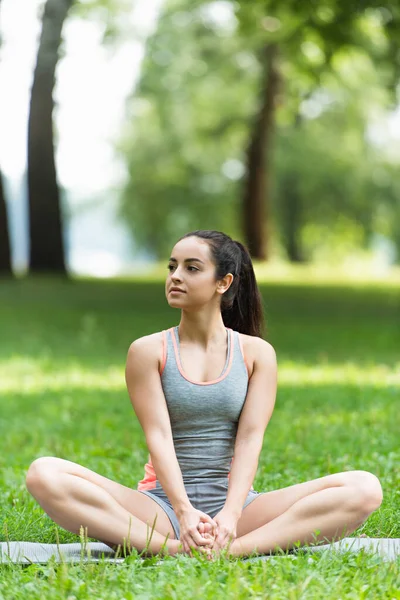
164 351
242 354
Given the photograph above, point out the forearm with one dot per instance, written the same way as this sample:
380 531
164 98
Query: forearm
166 466
242 474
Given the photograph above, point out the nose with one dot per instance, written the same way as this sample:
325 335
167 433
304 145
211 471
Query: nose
175 276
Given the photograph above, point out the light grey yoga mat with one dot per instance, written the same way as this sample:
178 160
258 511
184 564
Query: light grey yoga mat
34 552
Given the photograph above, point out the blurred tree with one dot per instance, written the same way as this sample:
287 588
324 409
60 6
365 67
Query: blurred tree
326 158
5 250
45 215
386 197
188 125
45 220
258 170
309 38
192 114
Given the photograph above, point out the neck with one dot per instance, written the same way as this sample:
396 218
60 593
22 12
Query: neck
202 329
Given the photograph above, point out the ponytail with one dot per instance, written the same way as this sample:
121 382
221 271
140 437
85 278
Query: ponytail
241 304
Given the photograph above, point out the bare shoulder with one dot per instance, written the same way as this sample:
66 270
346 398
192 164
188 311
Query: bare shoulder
148 348
257 351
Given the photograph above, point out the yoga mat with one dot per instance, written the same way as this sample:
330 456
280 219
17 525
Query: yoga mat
33 552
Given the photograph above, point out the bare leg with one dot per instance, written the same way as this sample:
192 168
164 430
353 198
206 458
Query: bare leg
330 512
75 502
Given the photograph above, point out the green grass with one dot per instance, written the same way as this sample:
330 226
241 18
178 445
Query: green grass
62 356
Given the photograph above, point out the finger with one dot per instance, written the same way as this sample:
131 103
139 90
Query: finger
207 527
198 539
206 518
189 544
209 539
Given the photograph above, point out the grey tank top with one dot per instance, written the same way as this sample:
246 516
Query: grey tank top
204 415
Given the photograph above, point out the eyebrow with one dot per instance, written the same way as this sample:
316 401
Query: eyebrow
187 260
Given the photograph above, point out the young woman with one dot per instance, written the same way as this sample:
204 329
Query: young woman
204 392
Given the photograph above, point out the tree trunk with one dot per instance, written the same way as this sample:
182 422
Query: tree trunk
45 224
292 209
5 252
292 219
255 197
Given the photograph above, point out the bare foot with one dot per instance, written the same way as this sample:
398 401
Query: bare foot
235 550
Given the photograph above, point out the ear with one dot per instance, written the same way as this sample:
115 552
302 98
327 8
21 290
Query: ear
225 283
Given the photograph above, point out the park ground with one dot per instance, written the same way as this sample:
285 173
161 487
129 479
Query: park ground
63 347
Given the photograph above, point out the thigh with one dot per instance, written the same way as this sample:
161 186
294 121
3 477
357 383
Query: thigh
140 505
269 505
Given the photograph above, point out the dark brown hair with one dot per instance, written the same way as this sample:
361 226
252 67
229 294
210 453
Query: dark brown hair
241 304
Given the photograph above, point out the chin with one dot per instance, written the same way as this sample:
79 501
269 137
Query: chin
173 301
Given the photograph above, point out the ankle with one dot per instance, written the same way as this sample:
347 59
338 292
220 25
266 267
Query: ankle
175 547
236 549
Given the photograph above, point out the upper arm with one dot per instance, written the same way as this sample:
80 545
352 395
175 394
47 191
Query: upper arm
261 394
145 391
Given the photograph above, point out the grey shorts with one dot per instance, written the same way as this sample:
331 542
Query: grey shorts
209 497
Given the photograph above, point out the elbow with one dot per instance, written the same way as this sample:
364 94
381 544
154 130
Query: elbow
158 441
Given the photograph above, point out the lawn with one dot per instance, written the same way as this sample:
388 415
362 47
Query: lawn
62 356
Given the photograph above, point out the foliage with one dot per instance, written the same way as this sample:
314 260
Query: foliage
189 120
111 15
327 165
310 34
188 125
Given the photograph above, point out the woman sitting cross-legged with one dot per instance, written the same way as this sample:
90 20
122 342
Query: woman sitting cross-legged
204 392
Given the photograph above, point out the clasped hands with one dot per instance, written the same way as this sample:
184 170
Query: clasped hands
210 536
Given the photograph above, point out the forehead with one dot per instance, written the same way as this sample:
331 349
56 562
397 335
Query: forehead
192 247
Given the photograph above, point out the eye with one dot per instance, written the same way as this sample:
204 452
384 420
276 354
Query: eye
170 267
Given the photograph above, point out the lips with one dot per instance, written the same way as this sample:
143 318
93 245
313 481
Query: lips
175 289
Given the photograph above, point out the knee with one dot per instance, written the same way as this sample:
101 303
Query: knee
366 493
42 474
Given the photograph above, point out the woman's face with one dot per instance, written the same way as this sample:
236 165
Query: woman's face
190 269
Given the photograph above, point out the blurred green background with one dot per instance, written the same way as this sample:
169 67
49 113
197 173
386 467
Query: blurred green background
127 124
